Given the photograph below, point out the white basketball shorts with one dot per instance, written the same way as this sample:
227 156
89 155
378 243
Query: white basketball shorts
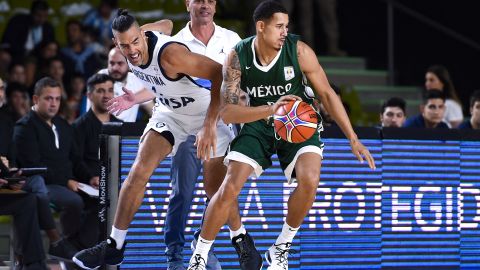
182 126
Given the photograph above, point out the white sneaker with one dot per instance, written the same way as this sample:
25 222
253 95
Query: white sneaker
277 256
197 262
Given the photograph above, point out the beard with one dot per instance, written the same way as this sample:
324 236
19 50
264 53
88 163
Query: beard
117 76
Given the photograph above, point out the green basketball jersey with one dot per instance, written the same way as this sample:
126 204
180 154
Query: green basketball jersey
266 84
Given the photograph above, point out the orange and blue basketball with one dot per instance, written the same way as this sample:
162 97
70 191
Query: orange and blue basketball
295 121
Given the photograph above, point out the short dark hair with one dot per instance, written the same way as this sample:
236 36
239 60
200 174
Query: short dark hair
39 5
432 94
44 83
474 97
123 21
266 9
97 79
394 102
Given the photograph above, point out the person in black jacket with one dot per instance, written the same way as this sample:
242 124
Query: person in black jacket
45 140
25 31
88 126
59 248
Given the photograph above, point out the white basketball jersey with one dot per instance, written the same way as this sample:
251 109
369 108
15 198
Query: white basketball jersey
180 95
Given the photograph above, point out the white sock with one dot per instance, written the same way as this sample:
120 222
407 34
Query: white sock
119 236
287 234
236 233
203 247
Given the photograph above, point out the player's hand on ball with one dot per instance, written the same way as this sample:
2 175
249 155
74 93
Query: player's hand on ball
361 152
121 103
282 101
206 142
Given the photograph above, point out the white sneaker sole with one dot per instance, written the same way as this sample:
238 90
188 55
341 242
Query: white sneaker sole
80 264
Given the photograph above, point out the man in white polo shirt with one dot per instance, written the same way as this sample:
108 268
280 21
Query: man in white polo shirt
202 36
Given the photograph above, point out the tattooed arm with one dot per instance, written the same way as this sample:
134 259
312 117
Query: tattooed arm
231 111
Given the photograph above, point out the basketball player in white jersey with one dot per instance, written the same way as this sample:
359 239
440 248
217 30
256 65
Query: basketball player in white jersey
188 109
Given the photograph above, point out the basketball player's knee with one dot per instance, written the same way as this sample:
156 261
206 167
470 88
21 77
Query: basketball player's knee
309 180
139 175
228 192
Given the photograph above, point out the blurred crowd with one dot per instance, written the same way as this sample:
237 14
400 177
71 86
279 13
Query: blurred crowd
29 51
440 106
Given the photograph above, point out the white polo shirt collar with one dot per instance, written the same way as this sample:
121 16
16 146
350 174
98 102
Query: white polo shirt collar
188 36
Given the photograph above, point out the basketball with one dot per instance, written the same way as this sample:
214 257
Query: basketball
295 121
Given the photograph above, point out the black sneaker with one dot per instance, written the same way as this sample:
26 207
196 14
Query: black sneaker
62 250
103 253
197 263
248 255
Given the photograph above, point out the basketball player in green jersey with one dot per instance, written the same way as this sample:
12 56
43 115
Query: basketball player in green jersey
271 68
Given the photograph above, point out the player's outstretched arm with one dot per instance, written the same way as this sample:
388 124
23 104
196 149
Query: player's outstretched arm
124 102
232 112
163 26
315 74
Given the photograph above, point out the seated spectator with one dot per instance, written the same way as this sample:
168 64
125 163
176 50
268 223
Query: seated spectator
90 37
36 64
118 69
28 241
432 110
75 93
56 71
59 248
18 102
88 127
100 19
78 56
25 31
16 74
474 122
45 140
393 112
437 77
